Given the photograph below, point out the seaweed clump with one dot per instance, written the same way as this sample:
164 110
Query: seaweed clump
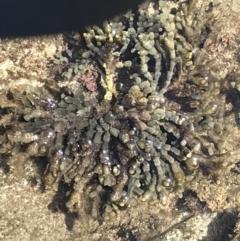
135 117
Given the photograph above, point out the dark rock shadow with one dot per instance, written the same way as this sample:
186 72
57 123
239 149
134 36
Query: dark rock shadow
3 163
190 203
127 234
58 204
41 164
222 226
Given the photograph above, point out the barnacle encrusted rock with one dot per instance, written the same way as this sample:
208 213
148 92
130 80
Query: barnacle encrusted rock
137 116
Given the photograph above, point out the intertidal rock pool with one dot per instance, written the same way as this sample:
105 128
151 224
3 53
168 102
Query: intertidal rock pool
123 122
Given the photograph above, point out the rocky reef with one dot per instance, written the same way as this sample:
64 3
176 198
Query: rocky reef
135 115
